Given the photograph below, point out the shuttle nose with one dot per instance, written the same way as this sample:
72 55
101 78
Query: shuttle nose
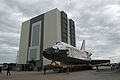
48 50
49 53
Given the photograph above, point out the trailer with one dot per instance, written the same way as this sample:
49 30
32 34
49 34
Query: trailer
67 68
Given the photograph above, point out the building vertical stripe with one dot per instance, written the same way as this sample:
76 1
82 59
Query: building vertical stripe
33 20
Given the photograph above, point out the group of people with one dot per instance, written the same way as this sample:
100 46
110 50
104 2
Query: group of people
115 66
8 71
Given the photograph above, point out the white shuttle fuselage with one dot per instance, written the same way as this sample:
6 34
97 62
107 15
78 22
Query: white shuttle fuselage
73 51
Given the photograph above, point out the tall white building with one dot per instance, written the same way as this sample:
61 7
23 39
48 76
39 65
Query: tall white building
42 32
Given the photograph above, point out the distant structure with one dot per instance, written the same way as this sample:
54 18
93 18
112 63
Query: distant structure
41 32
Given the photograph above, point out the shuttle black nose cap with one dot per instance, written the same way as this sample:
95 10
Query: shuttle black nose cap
48 50
44 51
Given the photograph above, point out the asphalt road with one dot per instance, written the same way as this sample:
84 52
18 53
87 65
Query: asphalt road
102 74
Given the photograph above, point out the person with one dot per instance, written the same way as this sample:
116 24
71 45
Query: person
67 69
38 68
97 68
0 70
8 71
44 69
111 66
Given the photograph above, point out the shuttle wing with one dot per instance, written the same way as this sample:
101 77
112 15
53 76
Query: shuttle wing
93 62
71 60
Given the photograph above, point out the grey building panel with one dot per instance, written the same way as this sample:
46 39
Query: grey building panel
33 20
33 54
64 29
72 32
36 19
64 15
23 47
35 38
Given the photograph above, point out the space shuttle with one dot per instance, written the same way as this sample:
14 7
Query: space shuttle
68 54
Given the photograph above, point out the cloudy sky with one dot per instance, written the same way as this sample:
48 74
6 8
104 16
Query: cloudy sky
97 22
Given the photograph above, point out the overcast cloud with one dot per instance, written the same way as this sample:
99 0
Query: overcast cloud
97 22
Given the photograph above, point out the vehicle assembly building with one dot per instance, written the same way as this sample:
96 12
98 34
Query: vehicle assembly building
41 32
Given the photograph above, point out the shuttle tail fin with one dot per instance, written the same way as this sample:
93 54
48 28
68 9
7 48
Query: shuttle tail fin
83 45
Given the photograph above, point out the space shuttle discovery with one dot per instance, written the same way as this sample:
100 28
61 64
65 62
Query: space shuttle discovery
69 54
